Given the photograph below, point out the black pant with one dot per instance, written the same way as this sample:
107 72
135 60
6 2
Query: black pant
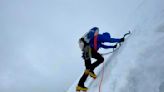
88 65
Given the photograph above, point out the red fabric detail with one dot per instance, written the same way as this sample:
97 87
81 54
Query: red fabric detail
95 40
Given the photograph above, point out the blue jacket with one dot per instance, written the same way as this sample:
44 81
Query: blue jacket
102 38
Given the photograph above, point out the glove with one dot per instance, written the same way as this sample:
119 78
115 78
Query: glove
122 40
115 46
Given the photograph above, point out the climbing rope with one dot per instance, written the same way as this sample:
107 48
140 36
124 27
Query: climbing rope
101 77
103 68
104 64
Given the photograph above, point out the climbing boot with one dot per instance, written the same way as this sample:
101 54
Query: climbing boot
81 88
92 74
86 72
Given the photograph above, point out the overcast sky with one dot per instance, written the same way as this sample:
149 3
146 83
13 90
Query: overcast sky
39 40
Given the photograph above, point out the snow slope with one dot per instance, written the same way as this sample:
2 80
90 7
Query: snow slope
138 64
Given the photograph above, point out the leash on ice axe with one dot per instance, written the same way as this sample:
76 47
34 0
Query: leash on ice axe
114 49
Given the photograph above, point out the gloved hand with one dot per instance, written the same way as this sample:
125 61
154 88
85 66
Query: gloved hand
115 46
122 40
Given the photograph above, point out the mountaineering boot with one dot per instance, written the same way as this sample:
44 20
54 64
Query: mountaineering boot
86 71
81 88
92 74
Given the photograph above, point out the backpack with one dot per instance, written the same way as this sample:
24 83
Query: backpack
85 39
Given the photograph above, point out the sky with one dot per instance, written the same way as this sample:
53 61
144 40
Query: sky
39 39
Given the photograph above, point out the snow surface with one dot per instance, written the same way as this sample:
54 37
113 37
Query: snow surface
137 66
